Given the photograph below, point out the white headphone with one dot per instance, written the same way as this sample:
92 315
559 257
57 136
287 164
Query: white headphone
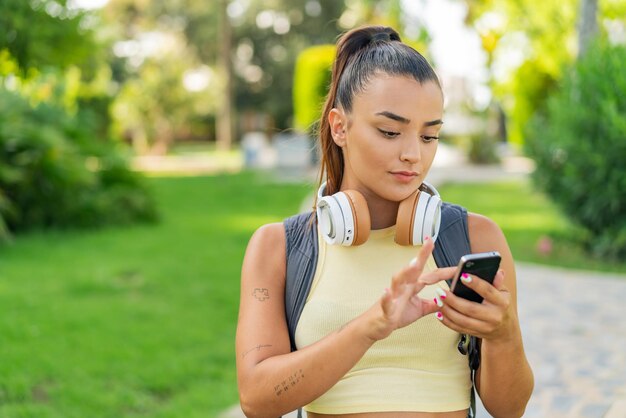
344 217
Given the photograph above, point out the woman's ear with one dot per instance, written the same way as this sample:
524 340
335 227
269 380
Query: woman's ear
338 122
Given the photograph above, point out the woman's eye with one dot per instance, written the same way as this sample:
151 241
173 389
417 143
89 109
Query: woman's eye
427 138
389 134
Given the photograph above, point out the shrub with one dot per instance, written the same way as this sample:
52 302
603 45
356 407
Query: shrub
310 85
579 145
54 172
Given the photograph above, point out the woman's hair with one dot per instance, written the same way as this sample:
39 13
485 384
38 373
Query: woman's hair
361 54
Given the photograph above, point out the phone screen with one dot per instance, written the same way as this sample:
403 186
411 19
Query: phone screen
483 265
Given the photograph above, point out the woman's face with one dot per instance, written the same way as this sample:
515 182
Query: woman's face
389 139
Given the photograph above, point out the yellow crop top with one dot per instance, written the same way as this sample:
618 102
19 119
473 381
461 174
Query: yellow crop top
417 368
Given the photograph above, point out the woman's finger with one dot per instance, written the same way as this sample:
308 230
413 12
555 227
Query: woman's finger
485 289
437 275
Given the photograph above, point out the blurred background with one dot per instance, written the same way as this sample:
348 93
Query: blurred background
142 142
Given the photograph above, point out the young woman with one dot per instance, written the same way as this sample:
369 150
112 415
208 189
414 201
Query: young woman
379 331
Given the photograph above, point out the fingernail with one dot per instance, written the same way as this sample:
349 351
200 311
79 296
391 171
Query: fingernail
466 278
413 262
426 238
438 302
439 316
441 292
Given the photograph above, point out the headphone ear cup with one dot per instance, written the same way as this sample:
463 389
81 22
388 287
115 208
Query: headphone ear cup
361 217
344 218
419 216
330 220
405 220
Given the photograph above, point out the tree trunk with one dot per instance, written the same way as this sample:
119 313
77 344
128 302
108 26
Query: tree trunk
224 121
588 24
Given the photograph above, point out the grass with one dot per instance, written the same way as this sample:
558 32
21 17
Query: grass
133 322
140 321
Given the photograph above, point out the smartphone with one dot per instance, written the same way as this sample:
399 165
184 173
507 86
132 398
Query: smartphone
483 265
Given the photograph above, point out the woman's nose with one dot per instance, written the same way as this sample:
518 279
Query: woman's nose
411 151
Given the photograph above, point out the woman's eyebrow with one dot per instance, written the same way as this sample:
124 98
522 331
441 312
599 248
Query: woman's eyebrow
395 117
406 121
434 122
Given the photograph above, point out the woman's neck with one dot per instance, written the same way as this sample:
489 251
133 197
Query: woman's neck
383 213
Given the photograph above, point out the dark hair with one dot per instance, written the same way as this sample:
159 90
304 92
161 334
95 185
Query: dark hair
361 54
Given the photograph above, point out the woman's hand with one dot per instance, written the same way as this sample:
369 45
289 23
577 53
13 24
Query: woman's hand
400 304
493 319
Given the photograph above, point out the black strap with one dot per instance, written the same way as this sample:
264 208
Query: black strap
302 252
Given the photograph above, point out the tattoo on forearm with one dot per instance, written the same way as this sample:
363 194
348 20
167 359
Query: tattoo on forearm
257 348
289 383
261 294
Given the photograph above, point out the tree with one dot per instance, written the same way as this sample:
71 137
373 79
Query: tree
168 85
542 35
588 24
225 66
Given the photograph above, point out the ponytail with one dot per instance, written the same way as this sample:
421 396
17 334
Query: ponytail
361 53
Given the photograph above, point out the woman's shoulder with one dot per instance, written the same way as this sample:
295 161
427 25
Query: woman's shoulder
485 234
268 236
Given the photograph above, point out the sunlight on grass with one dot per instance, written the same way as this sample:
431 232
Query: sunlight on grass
247 223
527 221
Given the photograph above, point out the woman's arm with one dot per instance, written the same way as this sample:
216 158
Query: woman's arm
272 380
504 379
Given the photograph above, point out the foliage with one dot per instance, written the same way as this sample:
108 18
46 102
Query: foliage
46 33
167 87
54 173
310 84
533 41
579 145
153 107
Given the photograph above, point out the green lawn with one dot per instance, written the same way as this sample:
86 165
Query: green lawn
133 322
140 321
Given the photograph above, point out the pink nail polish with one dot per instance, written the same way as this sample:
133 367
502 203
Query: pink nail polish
465 275
435 300
426 238
439 316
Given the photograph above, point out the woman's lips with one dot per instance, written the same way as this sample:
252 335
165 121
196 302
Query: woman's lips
404 176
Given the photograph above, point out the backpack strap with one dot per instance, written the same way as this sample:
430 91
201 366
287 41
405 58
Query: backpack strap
453 240
302 253
452 244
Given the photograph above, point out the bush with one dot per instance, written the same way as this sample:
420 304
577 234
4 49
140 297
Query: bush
54 172
310 85
579 145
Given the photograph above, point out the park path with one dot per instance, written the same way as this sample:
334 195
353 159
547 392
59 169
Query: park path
572 321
